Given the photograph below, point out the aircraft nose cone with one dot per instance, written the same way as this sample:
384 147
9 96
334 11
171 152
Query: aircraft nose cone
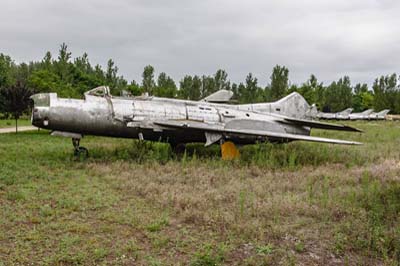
40 117
40 111
35 118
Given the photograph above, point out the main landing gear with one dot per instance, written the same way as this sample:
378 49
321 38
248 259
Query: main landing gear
178 148
79 152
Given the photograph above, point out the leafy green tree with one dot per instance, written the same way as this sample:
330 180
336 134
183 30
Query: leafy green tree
235 90
14 100
22 72
360 92
134 88
338 95
185 86
250 92
62 65
111 74
279 82
148 83
211 84
6 68
83 65
44 81
312 90
47 61
386 93
367 100
99 74
189 88
196 88
166 86
208 86
221 80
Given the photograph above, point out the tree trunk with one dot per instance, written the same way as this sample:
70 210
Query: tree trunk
16 125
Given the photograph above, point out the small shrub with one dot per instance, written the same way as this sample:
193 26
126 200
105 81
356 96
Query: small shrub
15 195
100 253
265 250
377 230
299 247
157 225
209 256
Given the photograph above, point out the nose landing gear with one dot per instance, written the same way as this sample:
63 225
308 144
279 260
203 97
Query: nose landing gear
79 151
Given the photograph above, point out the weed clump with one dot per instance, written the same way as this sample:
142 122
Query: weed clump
375 226
382 206
209 256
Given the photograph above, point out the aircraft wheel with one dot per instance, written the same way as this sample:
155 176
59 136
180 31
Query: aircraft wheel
81 153
178 148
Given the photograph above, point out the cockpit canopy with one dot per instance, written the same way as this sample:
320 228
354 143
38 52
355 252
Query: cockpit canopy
101 91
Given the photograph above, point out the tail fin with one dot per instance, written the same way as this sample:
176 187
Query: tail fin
312 112
346 111
383 112
292 105
367 112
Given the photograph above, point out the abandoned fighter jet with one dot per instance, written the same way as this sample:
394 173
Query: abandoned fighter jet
379 116
361 116
343 115
178 121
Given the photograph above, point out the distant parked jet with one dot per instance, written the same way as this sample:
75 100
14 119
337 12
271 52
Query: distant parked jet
379 116
343 115
361 116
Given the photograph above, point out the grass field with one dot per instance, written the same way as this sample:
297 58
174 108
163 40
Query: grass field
137 204
11 123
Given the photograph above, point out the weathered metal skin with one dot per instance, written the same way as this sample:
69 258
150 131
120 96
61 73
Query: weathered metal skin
343 115
142 117
361 116
378 116
106 116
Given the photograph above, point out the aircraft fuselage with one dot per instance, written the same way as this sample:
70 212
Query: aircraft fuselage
133 117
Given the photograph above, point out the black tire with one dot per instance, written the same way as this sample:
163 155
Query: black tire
81 153
180 148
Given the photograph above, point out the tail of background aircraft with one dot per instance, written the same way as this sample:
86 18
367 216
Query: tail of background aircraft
383 112
367 112
346 111
312 111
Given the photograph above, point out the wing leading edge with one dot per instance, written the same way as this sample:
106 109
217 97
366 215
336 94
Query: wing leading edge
215 128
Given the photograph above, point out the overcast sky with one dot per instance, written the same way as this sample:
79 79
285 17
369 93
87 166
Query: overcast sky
330 38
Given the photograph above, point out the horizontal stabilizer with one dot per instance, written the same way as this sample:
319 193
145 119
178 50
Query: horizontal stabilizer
321 125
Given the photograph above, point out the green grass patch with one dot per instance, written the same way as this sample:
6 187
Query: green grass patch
137 203
5 123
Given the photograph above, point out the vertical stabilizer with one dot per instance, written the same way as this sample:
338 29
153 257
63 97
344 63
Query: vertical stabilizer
292 105
367 112
383 112
346 111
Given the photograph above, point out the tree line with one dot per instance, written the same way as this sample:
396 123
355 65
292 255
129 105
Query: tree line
71 77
